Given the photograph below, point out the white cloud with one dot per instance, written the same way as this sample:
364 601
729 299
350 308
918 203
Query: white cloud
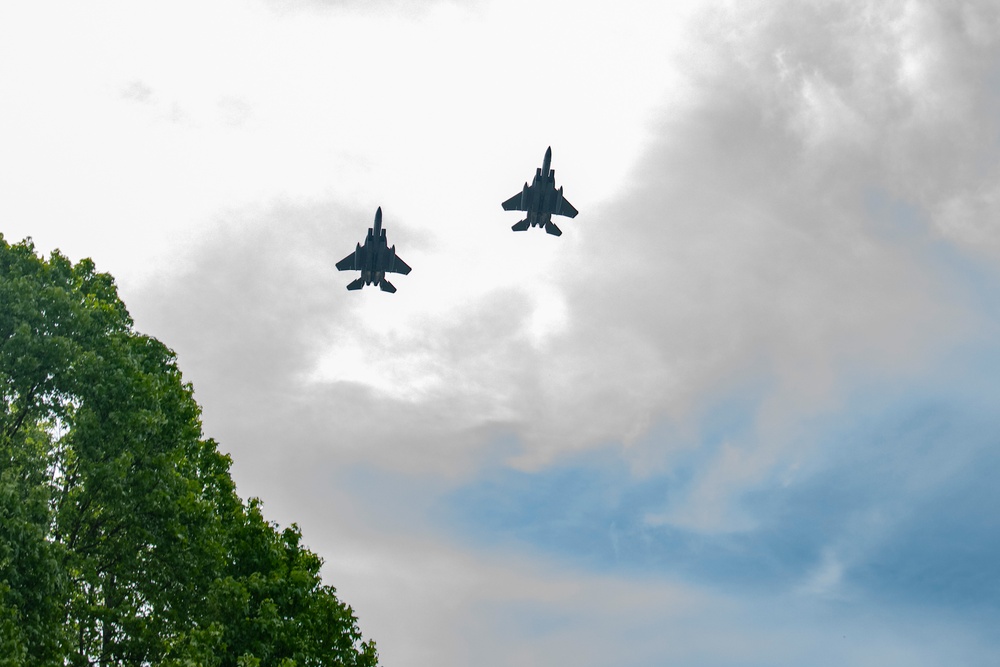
427 114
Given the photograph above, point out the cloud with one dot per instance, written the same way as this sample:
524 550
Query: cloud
886 506
436 605
260 320
712 377
758 245
754 238
137 91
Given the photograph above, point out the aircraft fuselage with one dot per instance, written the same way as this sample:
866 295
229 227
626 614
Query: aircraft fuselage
374 259
541 200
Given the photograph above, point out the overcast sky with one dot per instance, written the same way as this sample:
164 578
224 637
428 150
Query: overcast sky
744 411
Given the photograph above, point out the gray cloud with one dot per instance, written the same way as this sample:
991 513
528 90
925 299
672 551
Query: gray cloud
760 237
752 242
244 311
784 229
764 232
255 305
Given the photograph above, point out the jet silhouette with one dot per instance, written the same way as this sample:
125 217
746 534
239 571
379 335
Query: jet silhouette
541 200
374 259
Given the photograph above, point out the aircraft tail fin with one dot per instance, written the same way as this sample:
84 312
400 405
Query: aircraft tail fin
386 286
521 226
357 284
552 229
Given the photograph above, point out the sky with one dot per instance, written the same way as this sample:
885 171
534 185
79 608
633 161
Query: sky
743 412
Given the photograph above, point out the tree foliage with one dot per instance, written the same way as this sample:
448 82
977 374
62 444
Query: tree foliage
122 539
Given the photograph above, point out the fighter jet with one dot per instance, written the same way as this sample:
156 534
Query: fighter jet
374 259
541 200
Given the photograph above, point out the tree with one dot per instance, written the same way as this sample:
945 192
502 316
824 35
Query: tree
32 582
122 540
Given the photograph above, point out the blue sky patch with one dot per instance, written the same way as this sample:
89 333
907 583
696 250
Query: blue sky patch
904 499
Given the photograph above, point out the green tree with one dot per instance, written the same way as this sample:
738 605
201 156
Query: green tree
123 541
32 583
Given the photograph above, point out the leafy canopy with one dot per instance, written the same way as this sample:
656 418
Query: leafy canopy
122 539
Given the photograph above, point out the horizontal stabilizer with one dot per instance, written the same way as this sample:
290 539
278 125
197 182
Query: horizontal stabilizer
386 286
552 229
521 226
357 284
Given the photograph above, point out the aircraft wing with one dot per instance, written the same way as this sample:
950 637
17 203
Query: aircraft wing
514 203
399 266
350 263
565 208
346 264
